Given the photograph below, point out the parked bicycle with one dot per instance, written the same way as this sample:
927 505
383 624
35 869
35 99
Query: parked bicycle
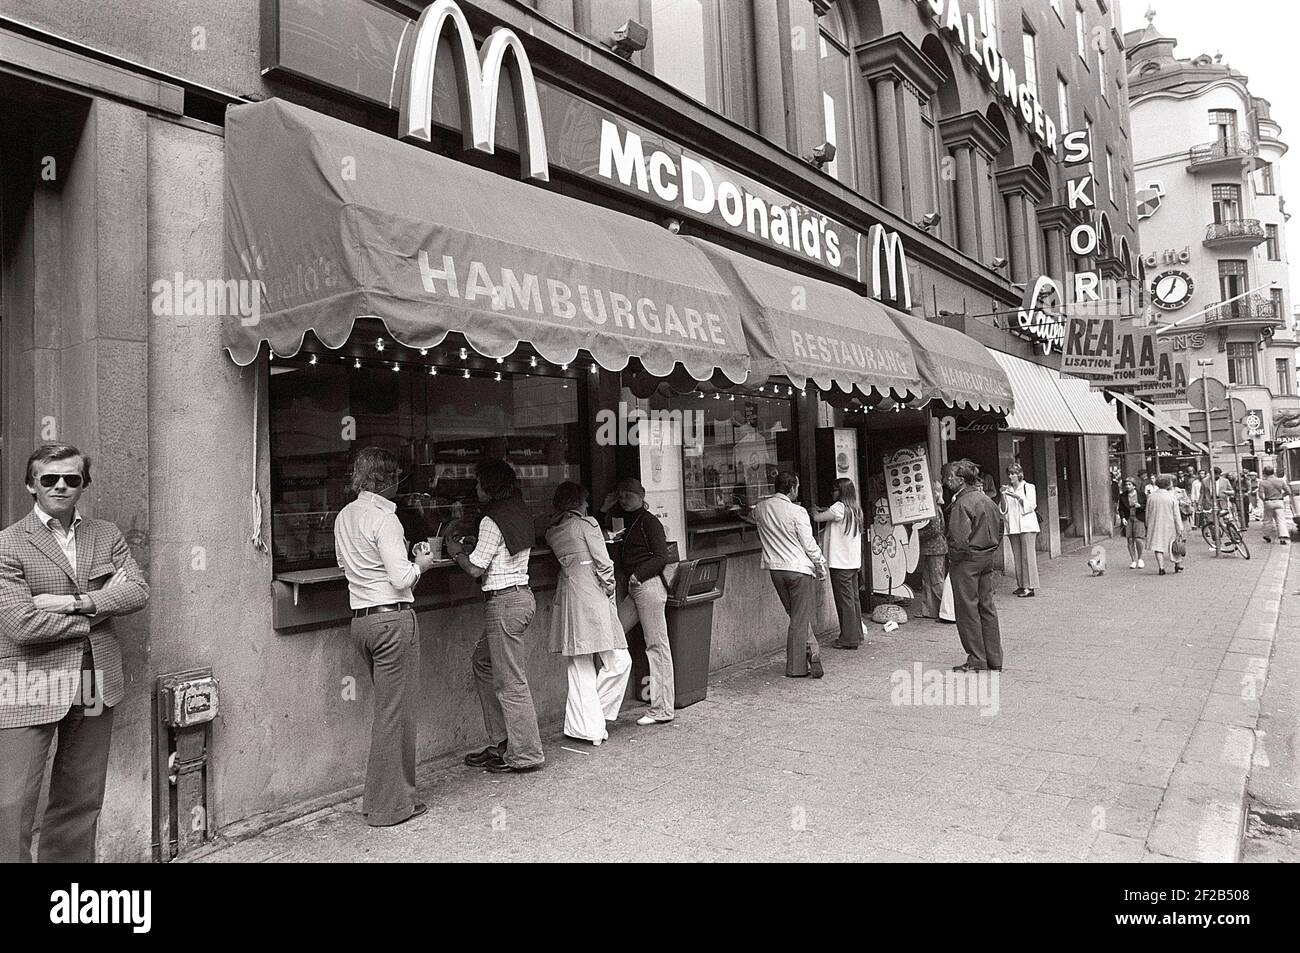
1232 541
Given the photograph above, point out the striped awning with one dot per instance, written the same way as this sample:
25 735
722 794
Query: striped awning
1159 420
1095 414
1046 402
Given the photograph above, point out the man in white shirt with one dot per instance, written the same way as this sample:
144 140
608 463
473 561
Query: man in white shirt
792 556
371 550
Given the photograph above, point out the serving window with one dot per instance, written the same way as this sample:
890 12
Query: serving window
733 444
440 413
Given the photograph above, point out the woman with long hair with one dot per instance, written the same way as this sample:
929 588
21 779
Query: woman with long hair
844 558
1133 517
1020 507
584 618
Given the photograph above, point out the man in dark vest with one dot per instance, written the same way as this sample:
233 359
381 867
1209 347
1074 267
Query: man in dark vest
500 562
975 527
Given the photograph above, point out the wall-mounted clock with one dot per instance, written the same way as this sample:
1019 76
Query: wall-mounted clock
1170 290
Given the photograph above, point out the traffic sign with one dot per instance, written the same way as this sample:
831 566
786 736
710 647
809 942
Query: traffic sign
1213 386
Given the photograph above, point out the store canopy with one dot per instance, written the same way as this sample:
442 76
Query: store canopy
341 223
1046 402
954 367
1159 420
1095 414
813 330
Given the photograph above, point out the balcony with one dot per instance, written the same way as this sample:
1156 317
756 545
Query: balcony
1224 155
1235 233
1252 311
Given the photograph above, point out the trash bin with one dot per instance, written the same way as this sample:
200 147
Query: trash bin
697 584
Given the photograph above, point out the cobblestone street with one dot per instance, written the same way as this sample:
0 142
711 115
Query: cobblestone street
1123 732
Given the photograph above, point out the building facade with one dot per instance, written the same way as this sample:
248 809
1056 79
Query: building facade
1213 232
886 159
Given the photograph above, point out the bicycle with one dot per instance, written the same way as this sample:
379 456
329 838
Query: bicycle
1233 541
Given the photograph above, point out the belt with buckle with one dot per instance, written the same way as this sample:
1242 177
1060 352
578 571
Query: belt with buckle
389 607
489 593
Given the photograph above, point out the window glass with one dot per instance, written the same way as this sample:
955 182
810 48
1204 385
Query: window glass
1079 32
1241 363
837 108
684 40
1283 375
734 444
1271 245
1030 50
1063 100
439 427
1266 179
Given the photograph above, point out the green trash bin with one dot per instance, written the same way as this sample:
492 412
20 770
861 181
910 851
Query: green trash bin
697 585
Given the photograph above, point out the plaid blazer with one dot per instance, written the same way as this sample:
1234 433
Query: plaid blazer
40 652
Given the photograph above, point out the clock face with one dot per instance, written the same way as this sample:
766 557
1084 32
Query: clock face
1171 290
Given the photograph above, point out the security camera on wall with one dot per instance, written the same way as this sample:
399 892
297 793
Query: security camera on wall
823 154
629 38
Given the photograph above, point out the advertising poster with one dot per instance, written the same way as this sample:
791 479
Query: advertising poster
1089 347
846 456
907 486
660 444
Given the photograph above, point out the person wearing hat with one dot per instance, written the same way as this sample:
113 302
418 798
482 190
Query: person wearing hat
641 560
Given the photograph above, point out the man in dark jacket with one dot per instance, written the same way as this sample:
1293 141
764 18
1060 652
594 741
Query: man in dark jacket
642 559
975 526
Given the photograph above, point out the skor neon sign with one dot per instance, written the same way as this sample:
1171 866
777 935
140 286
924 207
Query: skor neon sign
478 79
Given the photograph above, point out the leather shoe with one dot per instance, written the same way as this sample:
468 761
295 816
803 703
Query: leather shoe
480 758
498 766
965 668
419 808
1017 591
837 644
1026 593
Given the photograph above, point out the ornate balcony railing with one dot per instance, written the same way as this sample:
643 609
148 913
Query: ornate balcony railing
1240 146
1252 308
1236 229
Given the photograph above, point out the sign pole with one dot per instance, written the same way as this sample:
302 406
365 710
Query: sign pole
1209 449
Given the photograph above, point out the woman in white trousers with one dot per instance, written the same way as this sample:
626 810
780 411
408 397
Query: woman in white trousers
584 619
1019 506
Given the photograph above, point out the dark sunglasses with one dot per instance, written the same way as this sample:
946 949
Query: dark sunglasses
73 480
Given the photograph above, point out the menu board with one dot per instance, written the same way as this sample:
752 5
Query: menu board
660 443
907 486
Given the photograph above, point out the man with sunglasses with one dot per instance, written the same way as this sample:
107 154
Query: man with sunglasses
62 579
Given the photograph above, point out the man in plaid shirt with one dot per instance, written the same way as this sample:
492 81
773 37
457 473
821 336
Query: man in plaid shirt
62 579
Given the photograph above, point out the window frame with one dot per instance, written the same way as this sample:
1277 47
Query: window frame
1272 242
1244 352
845 162
1285 378
1029 56
1080 34
714 55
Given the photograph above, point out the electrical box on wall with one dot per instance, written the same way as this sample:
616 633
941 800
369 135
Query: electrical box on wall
186 705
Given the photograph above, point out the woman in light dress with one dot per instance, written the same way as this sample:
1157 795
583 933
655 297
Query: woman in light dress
844 558
1164 523
584 618
1020 506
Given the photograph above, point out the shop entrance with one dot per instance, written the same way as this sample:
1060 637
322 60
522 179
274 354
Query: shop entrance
1069 487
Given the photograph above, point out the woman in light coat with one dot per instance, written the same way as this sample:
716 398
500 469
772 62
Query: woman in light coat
1164 522
1019 506
584 618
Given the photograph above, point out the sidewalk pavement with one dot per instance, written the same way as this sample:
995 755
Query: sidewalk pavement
1123 732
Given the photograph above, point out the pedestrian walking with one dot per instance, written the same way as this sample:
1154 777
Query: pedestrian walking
1165 525
63 579
794 561
1132 510
642 560
500 562
843 551
1020 509
370 548
1146 483
934 558
1273 493
584 618
975 528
